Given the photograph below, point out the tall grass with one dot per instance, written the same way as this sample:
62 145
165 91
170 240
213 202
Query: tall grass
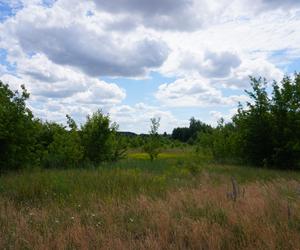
135 204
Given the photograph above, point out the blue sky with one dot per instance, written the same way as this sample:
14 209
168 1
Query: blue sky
136 60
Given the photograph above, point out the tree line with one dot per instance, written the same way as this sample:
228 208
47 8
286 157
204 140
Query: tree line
28 141
263 132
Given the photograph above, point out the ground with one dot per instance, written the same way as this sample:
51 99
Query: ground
175 202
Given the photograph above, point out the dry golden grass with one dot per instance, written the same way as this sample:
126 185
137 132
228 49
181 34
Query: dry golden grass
265 216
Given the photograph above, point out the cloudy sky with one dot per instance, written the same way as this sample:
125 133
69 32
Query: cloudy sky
136 59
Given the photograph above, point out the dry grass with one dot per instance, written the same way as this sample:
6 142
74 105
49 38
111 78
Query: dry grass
266 216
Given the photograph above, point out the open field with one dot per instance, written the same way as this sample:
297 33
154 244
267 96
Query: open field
171 203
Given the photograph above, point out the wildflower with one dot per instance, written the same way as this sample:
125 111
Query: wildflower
72 218
93 215
56 221
131 220
31 214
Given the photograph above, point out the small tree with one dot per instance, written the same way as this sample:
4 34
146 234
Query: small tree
98 138
153 146
65 150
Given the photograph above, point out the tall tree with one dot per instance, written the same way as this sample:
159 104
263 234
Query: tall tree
254 125
17 133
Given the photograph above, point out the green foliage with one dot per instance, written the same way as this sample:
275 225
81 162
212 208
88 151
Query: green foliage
98 138
119 147
219 142
254 126
269 128
285 108
66 150
264 133
190 134
25 141
17 129
153 144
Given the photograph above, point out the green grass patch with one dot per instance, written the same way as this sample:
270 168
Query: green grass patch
165 155
246 174
122 180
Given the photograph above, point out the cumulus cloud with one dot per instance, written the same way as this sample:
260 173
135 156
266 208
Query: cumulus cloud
44 78
61 49
217 115
254 68
159 14
57 91
137 118
219 65
194 92
82 44
211 64
96 55
278 4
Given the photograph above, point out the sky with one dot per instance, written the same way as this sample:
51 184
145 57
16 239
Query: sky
138 59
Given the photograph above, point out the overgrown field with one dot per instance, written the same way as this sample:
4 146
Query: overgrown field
172 203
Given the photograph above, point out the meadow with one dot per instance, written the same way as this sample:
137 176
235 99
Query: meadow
178 201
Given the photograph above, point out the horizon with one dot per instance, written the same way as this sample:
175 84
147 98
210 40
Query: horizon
136 60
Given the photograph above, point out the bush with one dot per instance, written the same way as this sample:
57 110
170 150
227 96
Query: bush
65 151
98 135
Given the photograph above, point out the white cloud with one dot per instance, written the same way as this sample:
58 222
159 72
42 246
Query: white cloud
184 15
217 115
57 91
137 118
75 40
194 92
255 68
209 64
60 48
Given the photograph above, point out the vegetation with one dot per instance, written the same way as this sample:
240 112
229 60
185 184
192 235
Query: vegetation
91 187
140 204
17 129
190 134
265 132
152 145
27 142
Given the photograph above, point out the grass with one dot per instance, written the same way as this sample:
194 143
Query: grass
171 203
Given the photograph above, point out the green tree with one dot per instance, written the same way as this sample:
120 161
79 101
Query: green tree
286 120
98 136
220 142
119 147
153 144
17 129
65 149
254 125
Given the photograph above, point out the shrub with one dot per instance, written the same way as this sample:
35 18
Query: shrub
98 136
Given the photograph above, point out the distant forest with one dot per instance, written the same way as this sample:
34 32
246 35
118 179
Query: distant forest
265 132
